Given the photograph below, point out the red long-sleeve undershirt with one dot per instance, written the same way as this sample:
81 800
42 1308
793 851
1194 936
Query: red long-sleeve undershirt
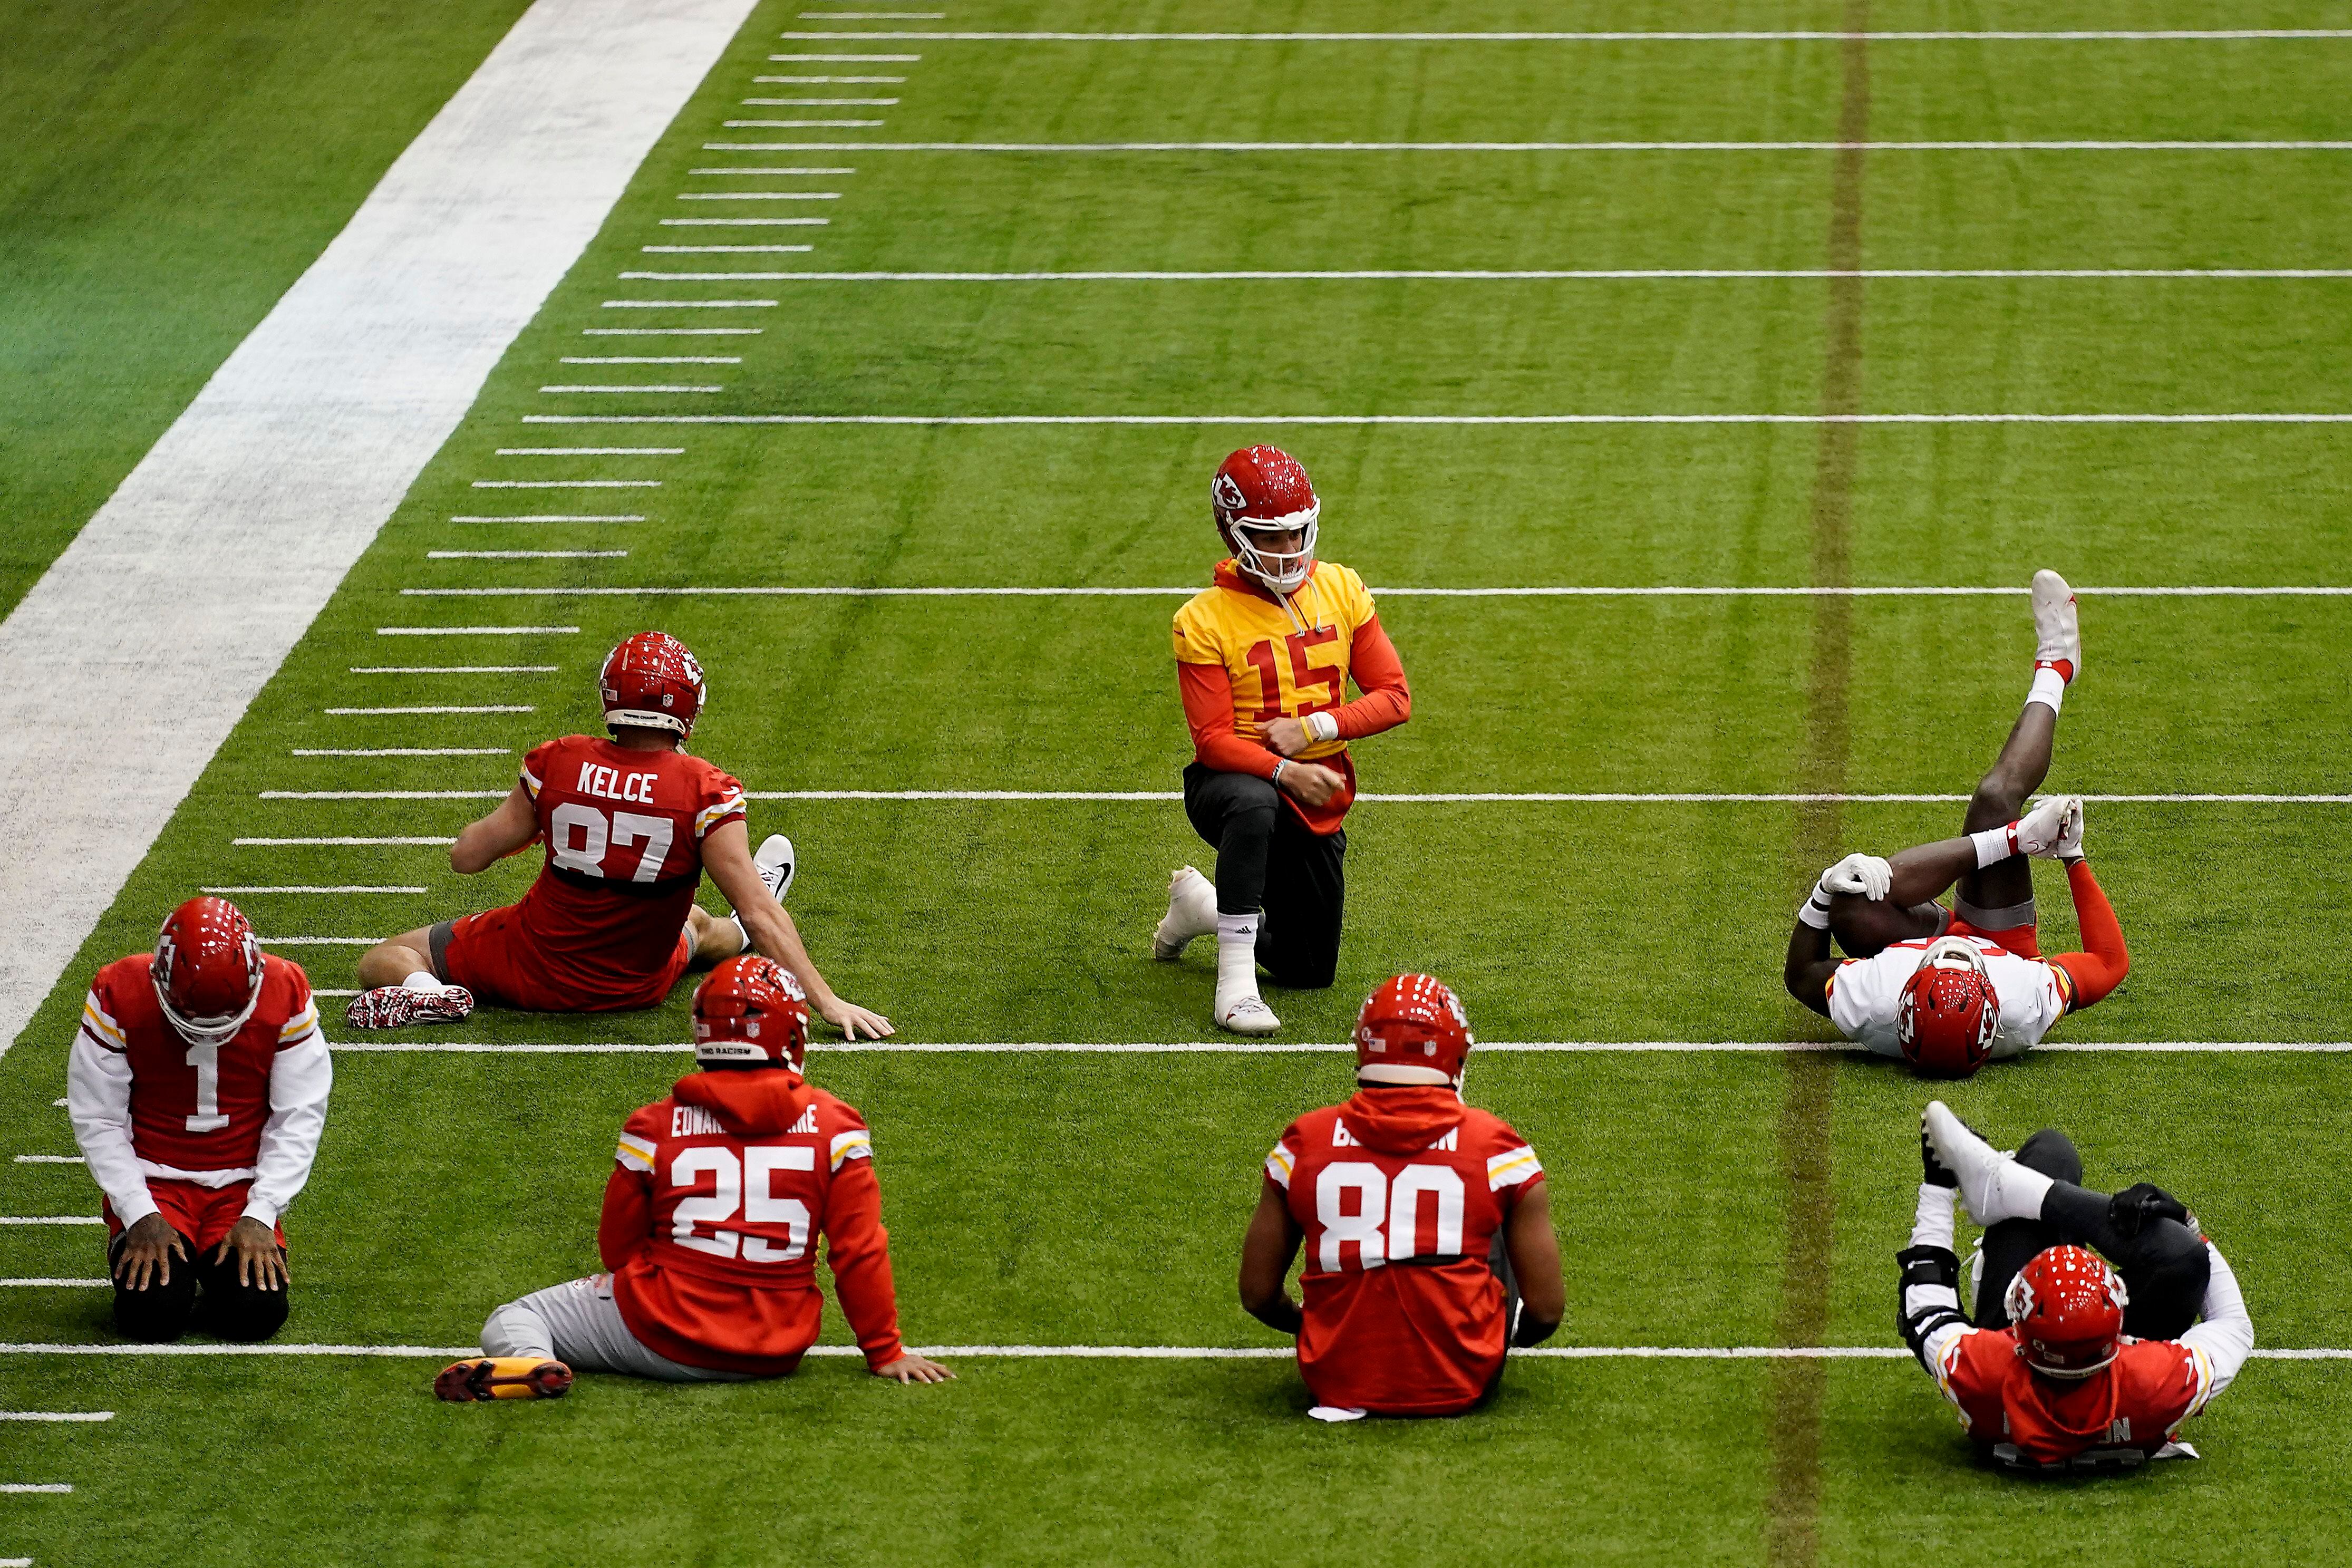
2102 966
1373 665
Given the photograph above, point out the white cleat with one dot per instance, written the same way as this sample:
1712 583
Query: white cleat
1246 1015
1995 1186
1191 912
2057 628
775 863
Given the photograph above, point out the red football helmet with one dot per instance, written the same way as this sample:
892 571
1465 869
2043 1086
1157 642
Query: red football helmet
1412 1030
1262 490
1948 1016
652 682
206 970
2066 1307
750 1009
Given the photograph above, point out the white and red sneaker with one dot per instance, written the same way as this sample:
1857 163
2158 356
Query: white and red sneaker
2057 628
397 1006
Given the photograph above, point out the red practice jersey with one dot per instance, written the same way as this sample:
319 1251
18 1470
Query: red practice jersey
2138 1402
711 1220
196 1107
623 832
1400 1192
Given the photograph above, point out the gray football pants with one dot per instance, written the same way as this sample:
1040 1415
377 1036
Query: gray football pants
580 1324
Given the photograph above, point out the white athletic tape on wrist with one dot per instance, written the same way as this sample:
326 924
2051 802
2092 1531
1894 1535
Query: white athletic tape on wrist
1994 845
1323 726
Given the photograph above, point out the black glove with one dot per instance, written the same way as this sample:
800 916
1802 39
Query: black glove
1933 1170
2130 1211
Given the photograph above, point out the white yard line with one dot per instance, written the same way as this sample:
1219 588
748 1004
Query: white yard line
761 196
801 124
1232 1047
2044 146
697 304
592 451
343 888
820 103
1409 419
822 81
402 752
474 631
59 1488
716 249
663 388
318 941
351 843
56 1284
646 359
50 1219
1494 797
680 332
836 169
456 669
270 484
341 712
1581 275
57 1414
2186 590
557 517
50 1160
385 793
741 223
573 484
2104 35
525 555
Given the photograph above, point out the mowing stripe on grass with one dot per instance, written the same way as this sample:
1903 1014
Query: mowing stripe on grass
1653 274
275 478
2186 590
2111 34
1434 419
1839 146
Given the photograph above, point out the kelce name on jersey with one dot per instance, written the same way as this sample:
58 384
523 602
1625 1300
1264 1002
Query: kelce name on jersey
612 784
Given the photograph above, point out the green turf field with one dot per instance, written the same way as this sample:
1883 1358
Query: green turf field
1703 1199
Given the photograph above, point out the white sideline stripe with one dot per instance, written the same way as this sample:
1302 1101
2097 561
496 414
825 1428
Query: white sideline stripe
50 1160
1594 591
1527 274
558 517
349 842
504 708
2028 146
50 1219
342 888
473 631
595 451
1434 419
449 668
1752 36
402 752
574 484
57 1414
1238 1048
524 555
273 480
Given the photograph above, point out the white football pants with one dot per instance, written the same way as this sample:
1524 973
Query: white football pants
580 1324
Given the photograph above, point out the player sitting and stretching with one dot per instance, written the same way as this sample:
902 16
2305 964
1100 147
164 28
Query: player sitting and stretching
1428 1241
1948 989
2090 1365
198 1089
630 824
711 1225
1263 659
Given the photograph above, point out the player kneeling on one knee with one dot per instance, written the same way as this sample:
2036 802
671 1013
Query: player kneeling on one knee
711 1219
2075 1359
198 1089
1428 1235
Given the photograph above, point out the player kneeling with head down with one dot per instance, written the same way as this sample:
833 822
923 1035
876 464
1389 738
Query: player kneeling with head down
2070 1363
1429 1242
711 1225
1949 989
198 1090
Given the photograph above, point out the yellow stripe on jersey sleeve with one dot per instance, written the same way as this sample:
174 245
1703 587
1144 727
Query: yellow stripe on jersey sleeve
531 783
636 1154
1279 1165
709 816
95 1019
1519 1164
858 1145
306 1022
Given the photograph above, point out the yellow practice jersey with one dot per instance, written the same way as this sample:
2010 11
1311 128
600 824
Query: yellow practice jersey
1284 659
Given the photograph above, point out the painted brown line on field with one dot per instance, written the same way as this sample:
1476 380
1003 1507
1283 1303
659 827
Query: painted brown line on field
1796 1388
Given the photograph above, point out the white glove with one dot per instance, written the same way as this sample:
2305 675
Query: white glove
2070 836
1864 874
2040 830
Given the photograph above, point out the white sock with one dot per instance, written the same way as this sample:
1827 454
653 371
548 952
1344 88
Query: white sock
1236 958
426 981
2049 687
2017 1193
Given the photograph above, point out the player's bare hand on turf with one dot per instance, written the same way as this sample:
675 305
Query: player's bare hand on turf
260 1261
1287 737
148 1248
913 1368
849 1018
1312 783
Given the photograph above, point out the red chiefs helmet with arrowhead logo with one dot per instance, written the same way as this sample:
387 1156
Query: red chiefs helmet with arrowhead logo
653 682
1262 490
1412 1029
751 1010
2066 1307
1948 1017
206 970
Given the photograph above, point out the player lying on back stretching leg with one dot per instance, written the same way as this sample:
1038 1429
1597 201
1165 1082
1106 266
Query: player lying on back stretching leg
2085 1365
711 1219
1428 1234
198 1089
1947 989
630 824
1263 661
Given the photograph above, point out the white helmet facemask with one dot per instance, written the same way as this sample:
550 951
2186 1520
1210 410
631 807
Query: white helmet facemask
1283 572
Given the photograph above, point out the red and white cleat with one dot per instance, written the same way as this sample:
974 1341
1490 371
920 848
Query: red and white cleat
503 1377
2057 627
396 1007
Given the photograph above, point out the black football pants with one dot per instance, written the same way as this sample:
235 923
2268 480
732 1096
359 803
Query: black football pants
1268 859
2164 1266
222 1308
